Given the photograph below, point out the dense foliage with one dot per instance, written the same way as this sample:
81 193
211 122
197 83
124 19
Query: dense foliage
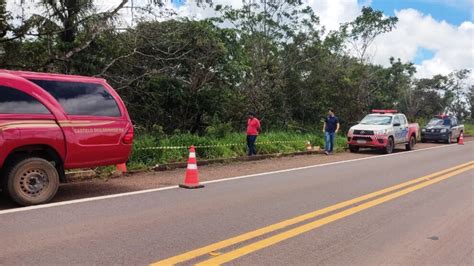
271 57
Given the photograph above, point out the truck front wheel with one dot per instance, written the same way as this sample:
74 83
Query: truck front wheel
353 148
390 145
31 181
449 140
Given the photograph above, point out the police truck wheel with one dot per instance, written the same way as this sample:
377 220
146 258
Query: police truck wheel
353 148
32 181
450 136
389 148
411 144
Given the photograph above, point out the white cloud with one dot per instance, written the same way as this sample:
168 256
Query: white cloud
334 12
452 45
190 9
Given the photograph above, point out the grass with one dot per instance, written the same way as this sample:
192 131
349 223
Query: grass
142 158
469 129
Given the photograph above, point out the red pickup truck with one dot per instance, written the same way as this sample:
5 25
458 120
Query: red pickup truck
53 122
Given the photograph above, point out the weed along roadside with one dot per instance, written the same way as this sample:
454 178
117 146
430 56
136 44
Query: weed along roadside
150 151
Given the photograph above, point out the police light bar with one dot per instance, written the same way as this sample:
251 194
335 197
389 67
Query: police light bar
384 111
441 116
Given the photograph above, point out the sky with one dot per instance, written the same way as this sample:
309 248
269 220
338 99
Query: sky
436 35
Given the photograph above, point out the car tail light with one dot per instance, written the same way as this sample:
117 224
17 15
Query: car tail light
128 138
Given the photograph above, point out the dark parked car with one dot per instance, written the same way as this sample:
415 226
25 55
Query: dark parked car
442 127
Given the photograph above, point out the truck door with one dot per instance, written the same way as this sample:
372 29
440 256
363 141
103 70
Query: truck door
405 130
26 118
454 128
400 128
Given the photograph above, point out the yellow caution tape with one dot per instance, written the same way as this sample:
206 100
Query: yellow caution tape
220 145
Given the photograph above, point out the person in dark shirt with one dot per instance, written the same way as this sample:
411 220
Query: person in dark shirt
253 128
331 127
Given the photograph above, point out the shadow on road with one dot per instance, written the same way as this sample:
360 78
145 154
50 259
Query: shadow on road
419 146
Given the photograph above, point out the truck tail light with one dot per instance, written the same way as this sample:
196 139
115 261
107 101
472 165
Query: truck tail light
128 138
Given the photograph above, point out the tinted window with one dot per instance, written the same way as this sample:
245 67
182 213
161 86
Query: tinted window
13 101
81 98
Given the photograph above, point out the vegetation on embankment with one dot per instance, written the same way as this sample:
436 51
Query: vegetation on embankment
469 129
224 146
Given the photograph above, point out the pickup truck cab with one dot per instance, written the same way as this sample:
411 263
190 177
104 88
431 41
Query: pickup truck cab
383 129
52 122
442 127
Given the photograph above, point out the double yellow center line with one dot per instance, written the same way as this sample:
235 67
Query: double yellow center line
376 198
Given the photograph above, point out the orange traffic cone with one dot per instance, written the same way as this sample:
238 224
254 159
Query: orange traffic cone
122 168
191 179
308 146
461 139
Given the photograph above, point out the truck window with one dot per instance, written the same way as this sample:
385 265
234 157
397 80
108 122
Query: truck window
454 122
13 101
403 120
396 120
79 98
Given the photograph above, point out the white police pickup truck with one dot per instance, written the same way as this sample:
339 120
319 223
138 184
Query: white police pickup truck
383 129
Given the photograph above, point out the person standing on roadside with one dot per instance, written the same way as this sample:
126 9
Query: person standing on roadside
330 129
253 128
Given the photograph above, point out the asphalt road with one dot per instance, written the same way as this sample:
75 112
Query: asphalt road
425 221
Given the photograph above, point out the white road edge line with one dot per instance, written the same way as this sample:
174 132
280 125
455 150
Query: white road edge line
69 202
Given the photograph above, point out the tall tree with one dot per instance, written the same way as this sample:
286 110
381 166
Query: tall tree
361 34
264 28
363 31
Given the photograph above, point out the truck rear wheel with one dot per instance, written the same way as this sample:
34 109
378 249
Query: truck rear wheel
411 143
31 181
390 145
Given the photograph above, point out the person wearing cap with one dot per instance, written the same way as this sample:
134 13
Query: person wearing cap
253 128
330 128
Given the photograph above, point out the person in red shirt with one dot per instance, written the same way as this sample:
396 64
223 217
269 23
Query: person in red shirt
253 128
